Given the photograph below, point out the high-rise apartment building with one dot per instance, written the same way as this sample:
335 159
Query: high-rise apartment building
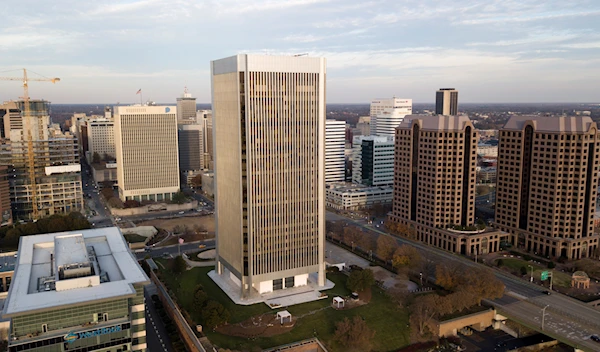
335 144
186 109
386 115
373 160
269 130
101 138
76 291
434 186
57 170
5 211
204 118
547 184
147 152
446 101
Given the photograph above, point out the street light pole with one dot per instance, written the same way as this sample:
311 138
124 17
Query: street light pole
544 315
531 279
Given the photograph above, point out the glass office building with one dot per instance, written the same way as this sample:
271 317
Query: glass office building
77 291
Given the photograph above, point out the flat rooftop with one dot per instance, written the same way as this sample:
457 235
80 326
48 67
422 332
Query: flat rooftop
71 268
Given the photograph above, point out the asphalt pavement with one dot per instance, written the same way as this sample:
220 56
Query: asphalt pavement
157 338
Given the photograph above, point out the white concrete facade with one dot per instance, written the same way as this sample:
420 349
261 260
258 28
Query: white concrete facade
347 196
269 149
101 137
335 142
387 114
373 160
147 153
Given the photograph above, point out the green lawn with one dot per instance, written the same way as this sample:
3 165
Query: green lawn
387 320
514 264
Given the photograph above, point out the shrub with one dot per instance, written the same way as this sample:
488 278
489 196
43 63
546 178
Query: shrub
500 262
551 265
523 270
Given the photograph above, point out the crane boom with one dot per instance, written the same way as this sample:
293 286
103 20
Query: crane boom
28 125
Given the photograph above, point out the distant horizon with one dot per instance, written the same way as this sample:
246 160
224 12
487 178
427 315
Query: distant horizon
368 103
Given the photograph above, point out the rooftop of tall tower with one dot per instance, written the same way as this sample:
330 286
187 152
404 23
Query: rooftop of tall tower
437 122
567 124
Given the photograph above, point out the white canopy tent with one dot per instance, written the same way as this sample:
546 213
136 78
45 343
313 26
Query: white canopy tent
284 315
337 301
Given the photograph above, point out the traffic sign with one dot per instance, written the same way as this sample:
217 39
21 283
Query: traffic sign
544 275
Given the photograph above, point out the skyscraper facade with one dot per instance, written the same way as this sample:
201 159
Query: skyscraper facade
386 115
147 152
547 184
446 101
335 144
269 131
186 109
434 185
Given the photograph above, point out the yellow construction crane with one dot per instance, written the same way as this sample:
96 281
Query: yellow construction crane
28 127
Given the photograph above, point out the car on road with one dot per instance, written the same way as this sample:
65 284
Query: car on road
547 293
202 246
181 212
595 338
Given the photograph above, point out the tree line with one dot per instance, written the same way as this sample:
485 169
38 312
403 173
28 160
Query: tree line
9 235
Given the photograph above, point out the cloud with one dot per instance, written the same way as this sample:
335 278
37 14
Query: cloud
588 45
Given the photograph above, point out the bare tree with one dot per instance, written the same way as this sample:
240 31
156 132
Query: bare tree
354 335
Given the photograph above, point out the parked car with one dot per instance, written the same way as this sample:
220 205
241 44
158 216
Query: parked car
595 338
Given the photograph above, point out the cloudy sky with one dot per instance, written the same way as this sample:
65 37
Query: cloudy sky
490 50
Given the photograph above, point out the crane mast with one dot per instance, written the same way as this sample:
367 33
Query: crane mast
28 125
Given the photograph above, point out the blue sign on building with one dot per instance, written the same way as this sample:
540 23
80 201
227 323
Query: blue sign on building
72 337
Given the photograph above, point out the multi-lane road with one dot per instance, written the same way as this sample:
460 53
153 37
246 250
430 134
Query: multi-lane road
565 319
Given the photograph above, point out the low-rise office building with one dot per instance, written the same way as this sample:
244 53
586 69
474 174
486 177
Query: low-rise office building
486 175
105 172
76 291
348 196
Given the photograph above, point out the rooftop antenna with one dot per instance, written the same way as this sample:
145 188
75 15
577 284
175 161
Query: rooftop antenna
298 55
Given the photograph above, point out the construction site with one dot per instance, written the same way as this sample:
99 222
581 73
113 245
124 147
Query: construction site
42 162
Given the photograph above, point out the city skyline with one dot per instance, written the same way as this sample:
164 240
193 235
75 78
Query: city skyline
500 51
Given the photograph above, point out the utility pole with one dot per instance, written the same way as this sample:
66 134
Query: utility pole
551 272
544 315
531 278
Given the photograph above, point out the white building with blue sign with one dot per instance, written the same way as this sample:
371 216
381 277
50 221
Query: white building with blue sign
76 291
146 145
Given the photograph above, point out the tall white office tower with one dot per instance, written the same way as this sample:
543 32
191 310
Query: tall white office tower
269 138
147 152
335 144
387 114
